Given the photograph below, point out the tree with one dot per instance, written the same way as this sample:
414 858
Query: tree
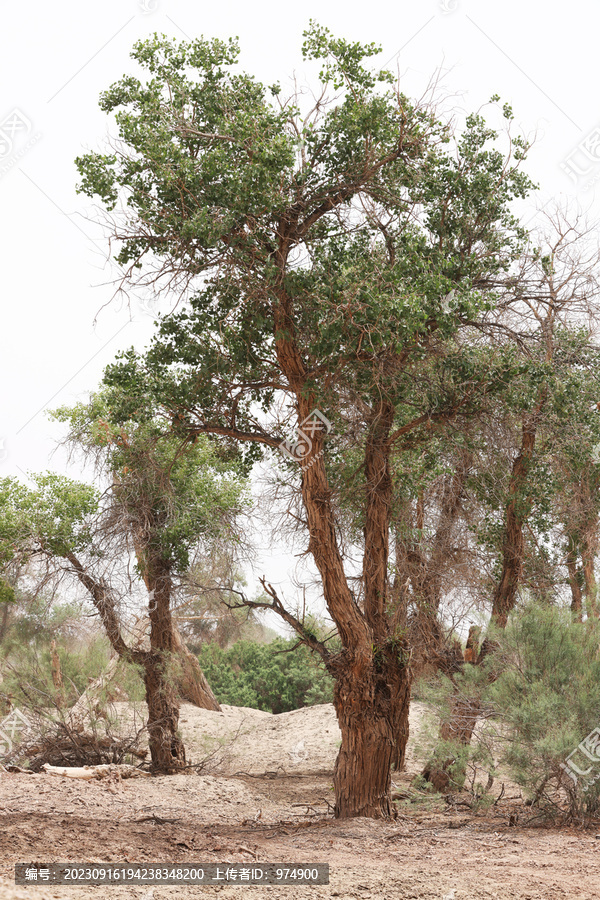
335 254
164 501
277 677
546 494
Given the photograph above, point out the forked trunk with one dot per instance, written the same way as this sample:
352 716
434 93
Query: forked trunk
166 748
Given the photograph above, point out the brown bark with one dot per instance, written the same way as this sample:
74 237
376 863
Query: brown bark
57 679
191 681
368 711
472 647
166 747
372 688
574 579
371 674
373 702
400 723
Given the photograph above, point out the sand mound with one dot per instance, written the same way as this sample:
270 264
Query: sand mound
303 741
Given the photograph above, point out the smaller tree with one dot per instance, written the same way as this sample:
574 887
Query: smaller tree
165 500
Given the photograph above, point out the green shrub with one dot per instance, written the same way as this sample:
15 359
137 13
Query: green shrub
272 677
547 694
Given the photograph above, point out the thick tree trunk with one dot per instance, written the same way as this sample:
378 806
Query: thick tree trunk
369 706
166 747
364 697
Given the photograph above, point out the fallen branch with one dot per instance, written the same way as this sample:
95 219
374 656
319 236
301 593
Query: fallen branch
89 773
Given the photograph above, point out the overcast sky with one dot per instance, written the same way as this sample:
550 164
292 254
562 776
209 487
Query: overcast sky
58 327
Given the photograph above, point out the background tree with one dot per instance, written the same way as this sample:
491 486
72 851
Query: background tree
7 598
164 502
204 611
538 489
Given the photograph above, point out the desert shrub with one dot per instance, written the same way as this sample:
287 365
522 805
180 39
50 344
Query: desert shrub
547 694
273 677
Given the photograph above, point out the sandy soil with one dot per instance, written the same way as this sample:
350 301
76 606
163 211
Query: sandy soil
265 795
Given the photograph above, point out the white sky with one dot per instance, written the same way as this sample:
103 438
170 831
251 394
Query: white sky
57 58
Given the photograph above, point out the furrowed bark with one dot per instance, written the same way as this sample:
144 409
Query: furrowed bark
372 683
166 747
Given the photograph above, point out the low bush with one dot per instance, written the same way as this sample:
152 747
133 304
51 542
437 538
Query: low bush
273 677
546 693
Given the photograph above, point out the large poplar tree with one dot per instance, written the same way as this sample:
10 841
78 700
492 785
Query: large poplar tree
341 256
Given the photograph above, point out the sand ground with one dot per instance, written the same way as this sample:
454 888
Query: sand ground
265 795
